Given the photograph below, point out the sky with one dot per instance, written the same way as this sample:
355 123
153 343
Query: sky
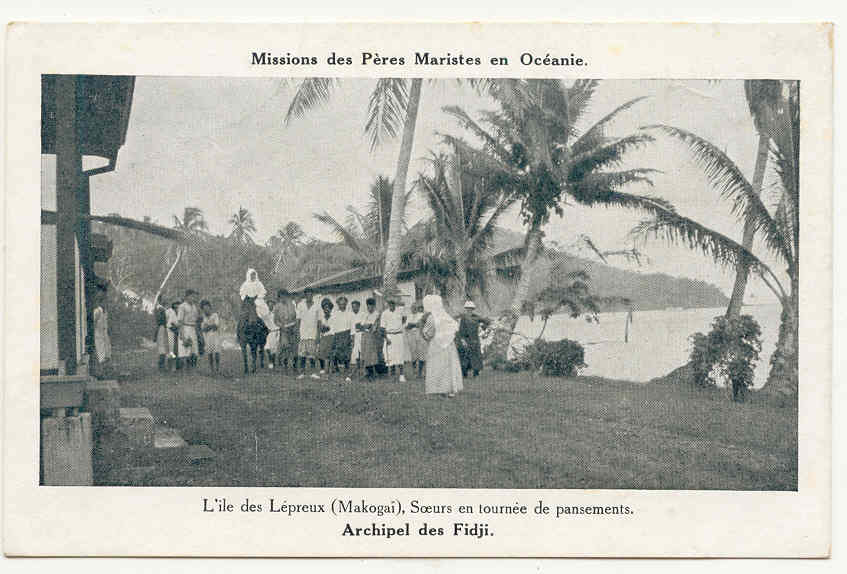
222 143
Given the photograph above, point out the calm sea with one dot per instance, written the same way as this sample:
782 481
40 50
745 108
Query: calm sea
658 340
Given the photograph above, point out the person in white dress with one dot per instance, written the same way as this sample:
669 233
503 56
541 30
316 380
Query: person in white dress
307 347
252 287
102 341
355 316
172 324
212 336
394 349
272 342
443 369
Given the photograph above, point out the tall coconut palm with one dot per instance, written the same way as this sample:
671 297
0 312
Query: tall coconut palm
465 207
532 147
243 227
193 227
392 109
762 98
779 227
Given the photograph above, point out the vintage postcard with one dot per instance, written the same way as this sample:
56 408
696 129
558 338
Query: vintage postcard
418 290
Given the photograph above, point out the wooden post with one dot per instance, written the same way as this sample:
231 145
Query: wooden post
68 176
86 261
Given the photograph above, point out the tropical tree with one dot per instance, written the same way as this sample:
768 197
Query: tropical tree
192 222
243 227
286 243
392 109
366 234
532 147
466 206
779 227
193 228
762 99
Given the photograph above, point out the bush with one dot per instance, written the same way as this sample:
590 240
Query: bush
561 358
727 356
128 321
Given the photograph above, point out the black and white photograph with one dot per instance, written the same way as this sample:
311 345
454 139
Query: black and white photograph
398 282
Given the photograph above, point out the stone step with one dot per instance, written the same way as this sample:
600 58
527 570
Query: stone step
166 437
137 425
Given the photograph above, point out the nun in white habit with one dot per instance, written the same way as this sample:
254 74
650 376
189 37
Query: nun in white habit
443 369
252 287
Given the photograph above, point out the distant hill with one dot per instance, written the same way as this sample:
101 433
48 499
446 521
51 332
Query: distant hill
647 291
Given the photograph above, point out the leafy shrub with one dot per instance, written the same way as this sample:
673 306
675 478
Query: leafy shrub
727 356
561 358
128 321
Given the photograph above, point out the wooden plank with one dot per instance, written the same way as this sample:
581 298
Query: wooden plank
62 394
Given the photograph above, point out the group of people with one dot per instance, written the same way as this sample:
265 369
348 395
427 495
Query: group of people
311 338
184 331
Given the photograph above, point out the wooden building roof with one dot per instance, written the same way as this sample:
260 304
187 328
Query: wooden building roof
102 114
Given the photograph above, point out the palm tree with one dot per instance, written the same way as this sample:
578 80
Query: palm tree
393 108
532 147
286 243
762 95
366 234
779 228
192 222
465 209
243 227
193 227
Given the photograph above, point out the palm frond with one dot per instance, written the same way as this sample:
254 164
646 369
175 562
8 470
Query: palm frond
579 96
311 93
726 177
386 110
677 229
347 236
596 132
609 154
466 122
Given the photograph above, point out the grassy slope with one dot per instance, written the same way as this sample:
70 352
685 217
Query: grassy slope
504 431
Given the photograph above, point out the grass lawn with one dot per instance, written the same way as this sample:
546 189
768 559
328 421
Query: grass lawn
503 431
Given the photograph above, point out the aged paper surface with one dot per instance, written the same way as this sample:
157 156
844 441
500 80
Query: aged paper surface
186 457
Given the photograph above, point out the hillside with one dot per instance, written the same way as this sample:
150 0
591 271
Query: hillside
647 291
216 266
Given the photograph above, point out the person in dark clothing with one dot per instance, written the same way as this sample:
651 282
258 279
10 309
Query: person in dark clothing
467 340
160 335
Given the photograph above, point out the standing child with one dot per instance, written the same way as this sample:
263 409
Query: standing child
102 341
212 335
391 321
187 317
414 339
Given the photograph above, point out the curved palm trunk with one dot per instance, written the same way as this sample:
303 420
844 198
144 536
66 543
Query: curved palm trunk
168 276
506 325
742 271
398 193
